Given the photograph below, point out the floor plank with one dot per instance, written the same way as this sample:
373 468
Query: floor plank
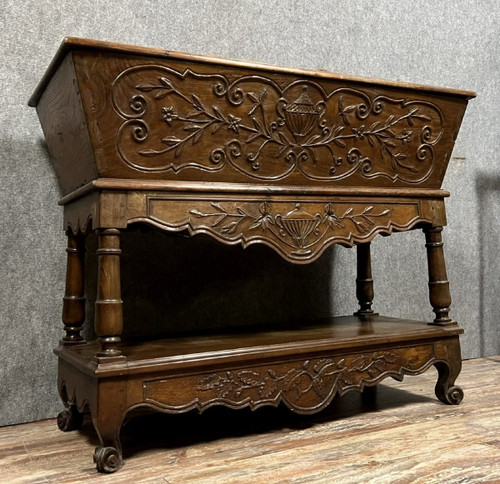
402 435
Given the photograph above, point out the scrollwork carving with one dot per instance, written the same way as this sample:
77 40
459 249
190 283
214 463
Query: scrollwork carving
202 121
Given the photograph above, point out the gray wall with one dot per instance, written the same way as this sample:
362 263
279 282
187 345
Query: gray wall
447 43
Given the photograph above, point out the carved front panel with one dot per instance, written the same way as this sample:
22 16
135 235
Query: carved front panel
299 231
305 386
177 120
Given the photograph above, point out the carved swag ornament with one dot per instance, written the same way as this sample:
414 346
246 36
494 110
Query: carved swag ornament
267 130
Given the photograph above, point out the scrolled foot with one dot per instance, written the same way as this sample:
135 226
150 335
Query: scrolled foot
69 419
446 390
452 396
107 459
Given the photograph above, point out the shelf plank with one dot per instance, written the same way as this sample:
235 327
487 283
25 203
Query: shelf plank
326 335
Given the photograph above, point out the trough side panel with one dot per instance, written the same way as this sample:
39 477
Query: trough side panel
65 129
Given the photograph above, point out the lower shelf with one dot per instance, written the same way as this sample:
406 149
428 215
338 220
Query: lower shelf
302 367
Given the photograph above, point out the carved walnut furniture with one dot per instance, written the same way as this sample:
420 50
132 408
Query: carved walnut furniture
246 153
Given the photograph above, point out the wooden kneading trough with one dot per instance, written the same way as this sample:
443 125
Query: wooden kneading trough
247 153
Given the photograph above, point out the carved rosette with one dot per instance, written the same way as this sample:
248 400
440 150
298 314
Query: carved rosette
174 121
300 232
303 386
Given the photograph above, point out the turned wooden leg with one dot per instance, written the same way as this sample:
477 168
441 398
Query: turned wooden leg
108 306
448 371
364 281
439 287
73 314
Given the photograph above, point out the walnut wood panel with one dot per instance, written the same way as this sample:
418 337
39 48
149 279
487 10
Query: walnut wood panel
65 129
182 117
191 121
297 231
304 386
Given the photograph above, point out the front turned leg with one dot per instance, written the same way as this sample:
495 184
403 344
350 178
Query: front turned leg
448 371
439 287
364 281
108 306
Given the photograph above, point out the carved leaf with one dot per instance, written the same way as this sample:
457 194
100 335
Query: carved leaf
171 140
197 103
163 93
193 114
257 124
219 114
148 152
253 97
230 228
178 150
216 127
197 136
146 87
197 213
166 82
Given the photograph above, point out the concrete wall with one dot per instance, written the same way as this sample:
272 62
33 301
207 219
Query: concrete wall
449 43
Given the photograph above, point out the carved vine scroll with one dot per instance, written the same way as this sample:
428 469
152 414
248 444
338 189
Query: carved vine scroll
304 386
173 121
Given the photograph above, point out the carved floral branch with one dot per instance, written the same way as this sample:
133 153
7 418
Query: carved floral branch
323 377
321 139
200 119
297 225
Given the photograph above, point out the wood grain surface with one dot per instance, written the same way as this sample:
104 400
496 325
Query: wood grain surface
401 435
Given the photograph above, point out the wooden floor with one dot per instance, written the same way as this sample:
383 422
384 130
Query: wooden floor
402 435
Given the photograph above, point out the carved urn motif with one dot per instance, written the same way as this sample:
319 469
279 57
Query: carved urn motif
298 224
302 114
